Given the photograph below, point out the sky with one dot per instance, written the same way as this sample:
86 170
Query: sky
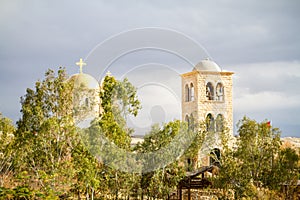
258 40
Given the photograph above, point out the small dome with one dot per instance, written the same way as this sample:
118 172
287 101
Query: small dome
85 80
207 65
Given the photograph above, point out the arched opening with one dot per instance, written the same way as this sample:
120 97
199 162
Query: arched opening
210 123
219 123
220 92
192 92
215 156
187 92
209 91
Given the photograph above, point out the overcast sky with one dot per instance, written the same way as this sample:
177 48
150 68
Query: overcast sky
258 40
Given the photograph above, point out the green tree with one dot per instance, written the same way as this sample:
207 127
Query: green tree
51 160
256 161
46 135
118 99
285 172
7 131
108 137
87 179
161 181
200 137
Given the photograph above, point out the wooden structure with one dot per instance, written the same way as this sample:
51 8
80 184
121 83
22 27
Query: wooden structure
193 181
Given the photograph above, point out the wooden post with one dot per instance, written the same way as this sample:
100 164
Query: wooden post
180 193
189 190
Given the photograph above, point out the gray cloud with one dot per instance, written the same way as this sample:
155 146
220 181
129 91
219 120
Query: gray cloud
259 39
269 90
281 77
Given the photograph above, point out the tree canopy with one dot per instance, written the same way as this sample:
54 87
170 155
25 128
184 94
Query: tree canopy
46 156
257 161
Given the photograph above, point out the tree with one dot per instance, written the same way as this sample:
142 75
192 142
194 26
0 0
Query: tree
158 181
258 143
46 135
118 99
51 160
255 161
108 137
7 131
285 172
52 157
200 137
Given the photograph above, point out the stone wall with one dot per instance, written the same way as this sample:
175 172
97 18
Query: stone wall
200 107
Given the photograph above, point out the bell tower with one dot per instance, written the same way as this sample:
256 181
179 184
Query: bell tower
207 97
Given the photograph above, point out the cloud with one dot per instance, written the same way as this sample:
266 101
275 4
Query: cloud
266 102
269 90
281 77
259 39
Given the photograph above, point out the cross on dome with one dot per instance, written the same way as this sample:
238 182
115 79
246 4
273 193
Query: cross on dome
80 64
108 73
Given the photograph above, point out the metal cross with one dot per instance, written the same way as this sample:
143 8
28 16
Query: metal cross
80 64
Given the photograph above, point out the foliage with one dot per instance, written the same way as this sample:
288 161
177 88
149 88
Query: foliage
118 99
256 161
7 137
47 143
47 157
50 157
45 135
200 137
159 183
108 137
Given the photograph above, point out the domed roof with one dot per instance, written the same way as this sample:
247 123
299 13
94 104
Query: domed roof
84 80
207 65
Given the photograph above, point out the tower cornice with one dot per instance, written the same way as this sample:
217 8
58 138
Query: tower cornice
226 73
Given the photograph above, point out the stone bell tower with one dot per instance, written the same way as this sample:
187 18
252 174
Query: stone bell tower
207 97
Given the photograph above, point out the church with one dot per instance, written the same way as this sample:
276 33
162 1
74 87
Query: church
206 97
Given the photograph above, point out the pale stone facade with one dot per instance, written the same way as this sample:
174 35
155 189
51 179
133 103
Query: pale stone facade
207 98
86 99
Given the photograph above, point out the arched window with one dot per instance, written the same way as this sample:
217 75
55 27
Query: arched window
209 91
215 156
220 92
192 92
219 123
187 93
210 123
